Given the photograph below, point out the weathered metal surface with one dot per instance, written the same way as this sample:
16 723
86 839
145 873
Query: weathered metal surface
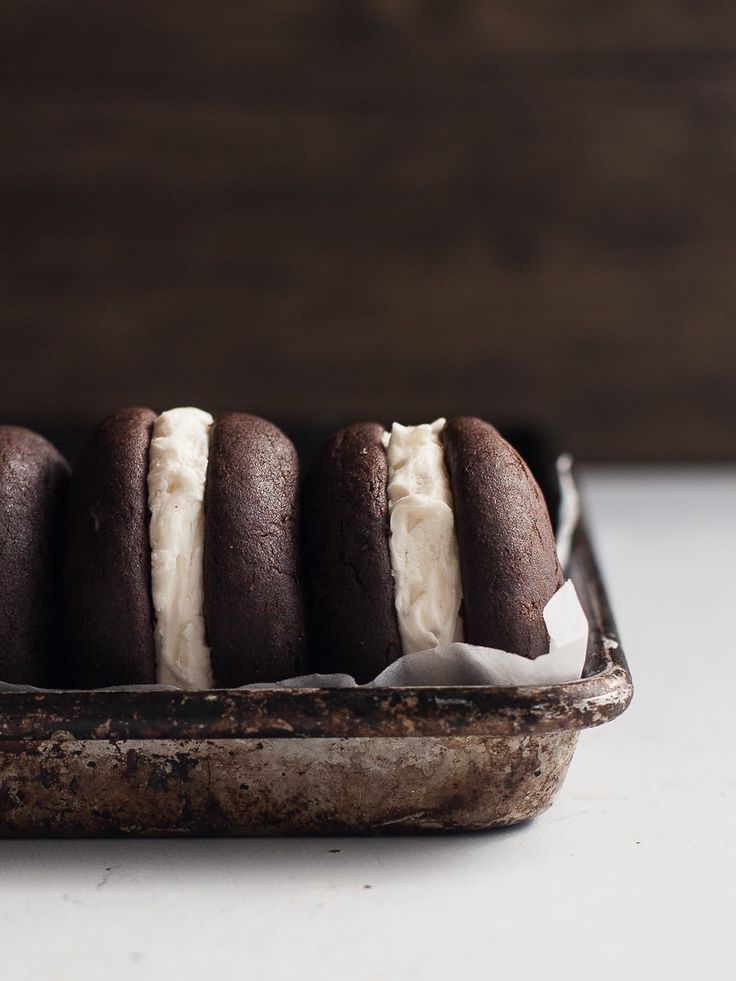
288 762
277 786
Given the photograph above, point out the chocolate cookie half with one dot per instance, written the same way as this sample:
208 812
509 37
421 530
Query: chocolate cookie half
195 521
352 622
107 570
508 558
33 484
252 596
420 537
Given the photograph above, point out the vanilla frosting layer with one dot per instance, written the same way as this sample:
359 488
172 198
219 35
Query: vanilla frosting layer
177 470
423 545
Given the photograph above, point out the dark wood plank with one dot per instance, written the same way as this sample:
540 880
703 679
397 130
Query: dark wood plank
334 211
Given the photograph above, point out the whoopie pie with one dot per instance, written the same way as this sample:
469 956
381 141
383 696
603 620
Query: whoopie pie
421 536
33 484
181 564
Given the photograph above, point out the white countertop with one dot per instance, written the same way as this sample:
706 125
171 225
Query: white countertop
632 873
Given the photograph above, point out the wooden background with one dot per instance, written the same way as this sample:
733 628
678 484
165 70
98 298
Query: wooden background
323 210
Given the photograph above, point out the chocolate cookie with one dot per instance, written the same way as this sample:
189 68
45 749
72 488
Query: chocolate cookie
252 597
241 591
353 626
107 570
508 559
33 484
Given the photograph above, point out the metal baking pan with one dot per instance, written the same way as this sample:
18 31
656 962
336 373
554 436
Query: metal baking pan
275 762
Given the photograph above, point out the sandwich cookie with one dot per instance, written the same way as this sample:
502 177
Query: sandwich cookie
33 485
420 537
182 559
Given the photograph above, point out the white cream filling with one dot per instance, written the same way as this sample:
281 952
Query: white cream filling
423 544
177 470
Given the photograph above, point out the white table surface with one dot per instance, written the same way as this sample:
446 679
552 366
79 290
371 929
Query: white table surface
632 873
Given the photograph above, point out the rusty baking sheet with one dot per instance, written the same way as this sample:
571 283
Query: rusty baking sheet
81 763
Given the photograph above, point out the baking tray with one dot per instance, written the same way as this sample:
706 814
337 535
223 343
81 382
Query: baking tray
325 761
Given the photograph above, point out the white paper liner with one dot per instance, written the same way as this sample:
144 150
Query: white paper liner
465 664
568 514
